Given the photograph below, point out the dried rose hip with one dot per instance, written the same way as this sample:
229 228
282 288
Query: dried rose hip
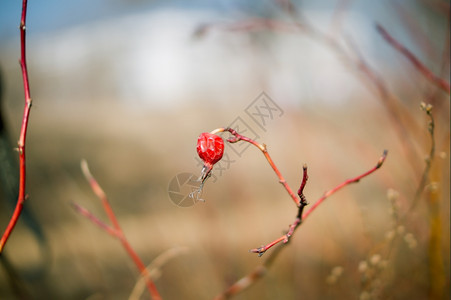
210 148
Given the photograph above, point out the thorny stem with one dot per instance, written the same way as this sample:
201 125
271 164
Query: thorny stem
116 230
238 137
23 132
441 83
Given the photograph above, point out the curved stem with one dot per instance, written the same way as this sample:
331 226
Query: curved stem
238 137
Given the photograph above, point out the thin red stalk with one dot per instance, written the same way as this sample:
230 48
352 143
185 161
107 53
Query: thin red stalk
286 237
441 83
262 147
343 184
301 217
117 232
302 202
260 271
23 132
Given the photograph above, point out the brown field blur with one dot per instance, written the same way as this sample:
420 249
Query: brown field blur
351 247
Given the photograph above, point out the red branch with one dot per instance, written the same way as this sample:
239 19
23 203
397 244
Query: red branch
345 183
302 216
238 137
23 132
261 270
301 202
441 83
286 237
116 230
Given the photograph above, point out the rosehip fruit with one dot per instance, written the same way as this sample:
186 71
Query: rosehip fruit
210 148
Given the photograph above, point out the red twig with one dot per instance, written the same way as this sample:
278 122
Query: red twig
286 237
260 271
116 230
238 137
345 183
441 83
23 132
301 217
301 202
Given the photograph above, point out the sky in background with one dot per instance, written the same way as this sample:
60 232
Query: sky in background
146 51
48 15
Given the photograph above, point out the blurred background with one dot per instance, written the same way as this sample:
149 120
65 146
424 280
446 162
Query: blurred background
129 86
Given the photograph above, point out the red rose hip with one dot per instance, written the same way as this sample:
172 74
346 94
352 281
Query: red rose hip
210 148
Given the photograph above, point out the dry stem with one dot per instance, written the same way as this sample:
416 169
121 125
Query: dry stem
431 127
